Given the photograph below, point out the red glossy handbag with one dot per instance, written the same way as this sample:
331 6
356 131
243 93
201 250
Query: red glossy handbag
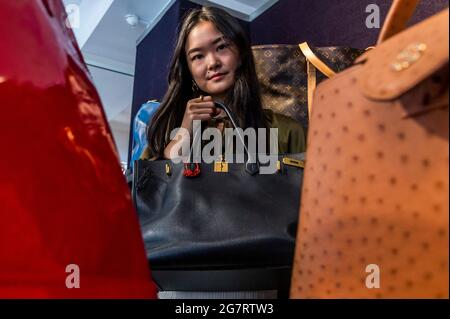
68 228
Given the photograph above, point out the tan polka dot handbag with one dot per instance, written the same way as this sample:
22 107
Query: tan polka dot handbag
374 216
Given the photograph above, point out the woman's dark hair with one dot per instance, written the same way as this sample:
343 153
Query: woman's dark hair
243 98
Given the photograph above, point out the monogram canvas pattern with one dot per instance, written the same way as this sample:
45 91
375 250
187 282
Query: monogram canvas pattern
282 75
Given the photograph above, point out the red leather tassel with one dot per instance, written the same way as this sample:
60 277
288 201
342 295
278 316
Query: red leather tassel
191 169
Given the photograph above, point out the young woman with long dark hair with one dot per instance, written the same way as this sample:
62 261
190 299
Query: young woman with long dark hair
212 62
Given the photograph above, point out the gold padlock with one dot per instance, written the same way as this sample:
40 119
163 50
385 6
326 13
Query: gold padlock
221 167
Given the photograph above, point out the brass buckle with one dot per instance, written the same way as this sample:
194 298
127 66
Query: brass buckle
168 170
293 162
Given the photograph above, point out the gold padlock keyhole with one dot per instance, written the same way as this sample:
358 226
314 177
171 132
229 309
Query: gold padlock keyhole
221 167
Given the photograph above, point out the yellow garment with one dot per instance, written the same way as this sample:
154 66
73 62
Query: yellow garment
291 137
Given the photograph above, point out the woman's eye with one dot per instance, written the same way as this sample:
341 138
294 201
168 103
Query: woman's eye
195 57
222 46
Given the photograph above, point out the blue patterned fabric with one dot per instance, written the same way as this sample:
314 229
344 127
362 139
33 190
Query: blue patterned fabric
143 116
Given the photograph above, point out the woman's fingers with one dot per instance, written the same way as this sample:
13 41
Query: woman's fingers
202 104
203 98
219 113
201 108
198 106
201 117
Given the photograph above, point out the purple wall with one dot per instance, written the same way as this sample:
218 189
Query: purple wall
326 22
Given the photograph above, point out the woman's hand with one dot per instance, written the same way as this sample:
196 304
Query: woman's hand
201 108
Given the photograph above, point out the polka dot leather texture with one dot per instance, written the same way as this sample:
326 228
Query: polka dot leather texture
374 216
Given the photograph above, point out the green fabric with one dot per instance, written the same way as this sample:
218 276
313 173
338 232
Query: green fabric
291 137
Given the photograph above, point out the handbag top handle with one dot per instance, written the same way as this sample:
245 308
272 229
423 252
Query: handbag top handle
397 18
252 164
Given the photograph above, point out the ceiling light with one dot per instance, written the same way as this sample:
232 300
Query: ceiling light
132 20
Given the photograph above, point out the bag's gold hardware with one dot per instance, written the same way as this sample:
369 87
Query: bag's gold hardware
408 56
278 165
293 162
168 170
221 167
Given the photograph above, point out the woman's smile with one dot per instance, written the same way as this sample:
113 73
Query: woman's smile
217 77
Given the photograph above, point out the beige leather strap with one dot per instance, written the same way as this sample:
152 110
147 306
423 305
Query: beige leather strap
311 71
397 18
313 63
311 57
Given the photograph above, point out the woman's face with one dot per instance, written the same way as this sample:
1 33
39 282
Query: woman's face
212 60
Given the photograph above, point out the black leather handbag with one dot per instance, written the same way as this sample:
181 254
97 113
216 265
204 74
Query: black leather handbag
225 229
